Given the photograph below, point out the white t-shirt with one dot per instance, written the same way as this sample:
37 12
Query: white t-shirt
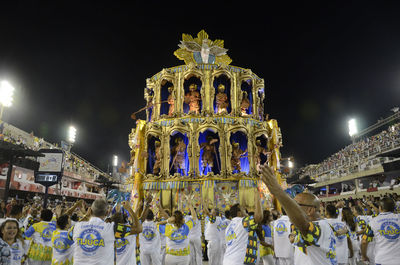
94 242
281 232
126 250
149 238
240 234
386 229
41 233
222 228
322 248
211 229
342 249
18 251
177 238
196 230
62 247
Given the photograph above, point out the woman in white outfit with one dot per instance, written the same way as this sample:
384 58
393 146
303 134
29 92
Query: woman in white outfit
177 232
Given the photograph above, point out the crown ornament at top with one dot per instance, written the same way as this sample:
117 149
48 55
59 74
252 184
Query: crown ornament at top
202 50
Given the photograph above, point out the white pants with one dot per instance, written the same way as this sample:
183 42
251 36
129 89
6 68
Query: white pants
284 261
150 258
163 255
195 251
223 249
176 260
267 260
214 252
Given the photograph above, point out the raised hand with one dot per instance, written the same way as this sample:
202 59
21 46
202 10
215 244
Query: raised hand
149 198
268 177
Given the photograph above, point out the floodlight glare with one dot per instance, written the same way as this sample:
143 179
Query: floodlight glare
71 134
115 161
352 127
290 164
6 93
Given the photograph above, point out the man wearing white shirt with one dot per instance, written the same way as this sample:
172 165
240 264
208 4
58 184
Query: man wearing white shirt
281 232
385 228
195 241
225 221
343 242
150 241
241 235
94 239
315 241
211 235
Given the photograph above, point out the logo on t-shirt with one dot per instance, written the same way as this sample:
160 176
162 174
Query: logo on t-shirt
338 227
230 236
280 228
178 236
390 230
90 240
16 252
61 245
120 245
148 234
46 234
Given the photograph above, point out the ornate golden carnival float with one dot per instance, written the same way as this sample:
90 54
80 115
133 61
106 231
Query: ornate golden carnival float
205 130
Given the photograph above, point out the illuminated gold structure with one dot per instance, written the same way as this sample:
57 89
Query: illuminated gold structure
183 114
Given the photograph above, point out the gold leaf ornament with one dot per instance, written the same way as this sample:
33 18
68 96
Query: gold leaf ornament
202 50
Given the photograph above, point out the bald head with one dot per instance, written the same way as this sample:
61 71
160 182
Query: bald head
310 204
307 199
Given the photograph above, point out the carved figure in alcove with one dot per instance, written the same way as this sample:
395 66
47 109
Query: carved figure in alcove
157 163
208 153
193 99
259 151
245 104
237 153
221 100
149 106
261 109
178 152
171 101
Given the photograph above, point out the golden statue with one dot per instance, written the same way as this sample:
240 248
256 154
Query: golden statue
178 152
193 99
208 153
171 101
245 104
221 100
237 153
157 163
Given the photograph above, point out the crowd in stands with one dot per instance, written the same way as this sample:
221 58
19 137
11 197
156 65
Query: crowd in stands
360 153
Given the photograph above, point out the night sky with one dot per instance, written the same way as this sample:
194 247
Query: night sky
86 65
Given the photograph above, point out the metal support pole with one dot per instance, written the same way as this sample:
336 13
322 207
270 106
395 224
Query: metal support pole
46 193
8 180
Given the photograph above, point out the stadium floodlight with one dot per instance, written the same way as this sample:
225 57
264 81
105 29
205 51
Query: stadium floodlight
6 95
115 161
290 164
71 134
352 127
